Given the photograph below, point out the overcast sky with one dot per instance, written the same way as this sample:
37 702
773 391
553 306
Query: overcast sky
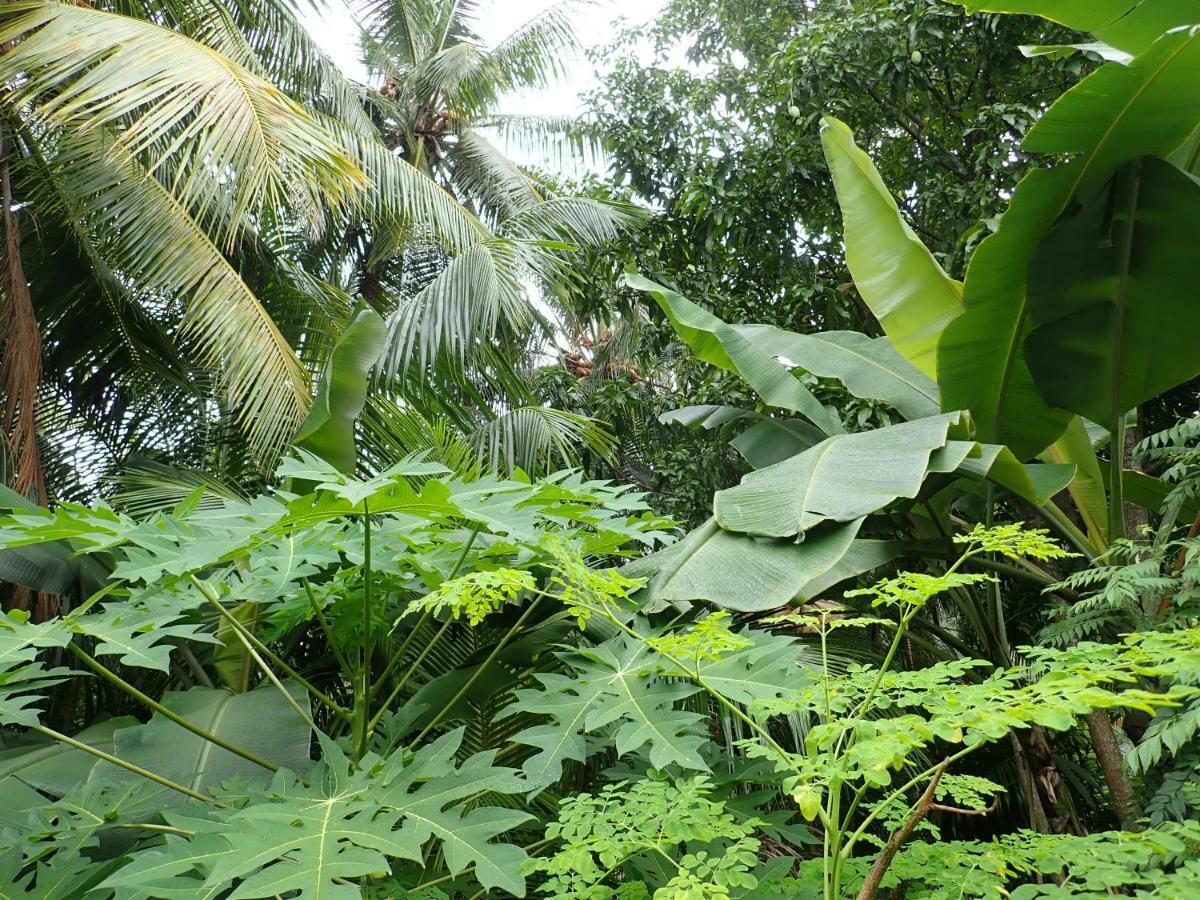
337 33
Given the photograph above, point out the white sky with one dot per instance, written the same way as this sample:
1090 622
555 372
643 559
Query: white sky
336 32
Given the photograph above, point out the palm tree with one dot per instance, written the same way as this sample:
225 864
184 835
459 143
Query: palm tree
193 193
440 89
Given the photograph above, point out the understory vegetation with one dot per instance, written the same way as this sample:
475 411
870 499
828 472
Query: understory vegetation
808 507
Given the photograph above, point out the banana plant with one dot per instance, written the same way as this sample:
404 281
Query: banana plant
1076 306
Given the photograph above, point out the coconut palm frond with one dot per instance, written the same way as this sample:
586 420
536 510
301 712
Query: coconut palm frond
534 54
267 38
531 437
575 220
563 141
461 309
227 141
389 432
482 171
400 195
144 487
146 237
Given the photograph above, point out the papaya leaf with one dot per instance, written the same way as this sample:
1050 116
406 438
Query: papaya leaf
613 684
344 823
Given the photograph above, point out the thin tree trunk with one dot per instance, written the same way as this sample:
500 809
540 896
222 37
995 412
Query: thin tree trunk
1039 821
1100 724
20 374
1108 754
884 859
21 366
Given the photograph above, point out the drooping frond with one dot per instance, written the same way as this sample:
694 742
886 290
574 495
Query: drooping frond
529 436
559 140
147 238
388 433
482 289
226 140
460 308
576 220
482 171
400 195
267 38
147 487
534 53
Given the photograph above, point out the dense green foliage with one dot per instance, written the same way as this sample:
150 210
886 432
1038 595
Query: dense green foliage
726 150
338 623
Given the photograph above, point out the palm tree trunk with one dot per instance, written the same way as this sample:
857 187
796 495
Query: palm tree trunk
21 344
20 374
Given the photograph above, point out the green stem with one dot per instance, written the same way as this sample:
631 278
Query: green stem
398 656
271 677
496 651
324 623
829 837
999 625
253 645
835 836
168 713
825 666
901 629
117 761
852 808
1116 473
1067 529
160 829
362 698
404 678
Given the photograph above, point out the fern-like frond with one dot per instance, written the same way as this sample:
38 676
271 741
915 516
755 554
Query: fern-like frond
225 140
530 436
146 236
534 53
